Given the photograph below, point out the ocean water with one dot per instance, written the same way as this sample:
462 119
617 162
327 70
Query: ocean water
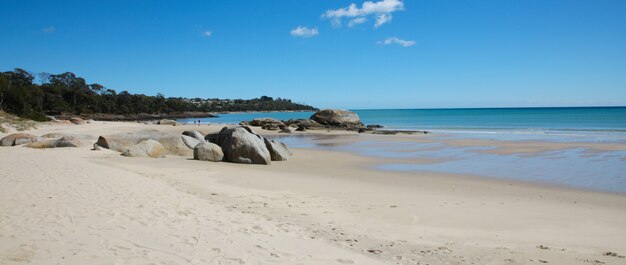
572 123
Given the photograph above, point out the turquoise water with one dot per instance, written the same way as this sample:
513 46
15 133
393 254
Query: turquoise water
596 118
592 123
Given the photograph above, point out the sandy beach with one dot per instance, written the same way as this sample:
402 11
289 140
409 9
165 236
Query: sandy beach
77 206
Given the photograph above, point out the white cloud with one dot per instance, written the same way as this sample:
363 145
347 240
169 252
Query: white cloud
207 33
304 32
395 40
357 21
50 29
382 19
381 10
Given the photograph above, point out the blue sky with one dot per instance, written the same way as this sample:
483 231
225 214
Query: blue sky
384 54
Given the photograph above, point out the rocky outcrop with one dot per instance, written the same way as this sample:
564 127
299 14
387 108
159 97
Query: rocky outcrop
302 123
85 137
284 129
278 150
195 134
18 139
241 145
77 120
208 152
148 148
265 123
167 122
65 141
338 118
173 143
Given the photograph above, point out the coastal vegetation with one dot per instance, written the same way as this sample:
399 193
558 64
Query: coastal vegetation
35 96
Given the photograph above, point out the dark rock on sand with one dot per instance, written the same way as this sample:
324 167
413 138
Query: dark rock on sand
284 129
374 126
208 152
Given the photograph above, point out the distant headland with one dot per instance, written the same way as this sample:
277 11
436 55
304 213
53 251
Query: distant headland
66 94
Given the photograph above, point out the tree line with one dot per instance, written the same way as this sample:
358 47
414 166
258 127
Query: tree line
66 93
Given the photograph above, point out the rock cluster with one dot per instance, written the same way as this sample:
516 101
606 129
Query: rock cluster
323 119
237 144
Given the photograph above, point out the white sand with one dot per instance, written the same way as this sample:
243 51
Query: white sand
76 206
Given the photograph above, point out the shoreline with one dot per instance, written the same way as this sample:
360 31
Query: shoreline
320 206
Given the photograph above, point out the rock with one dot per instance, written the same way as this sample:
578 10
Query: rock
95 147
374 126
305 123
284 129
167 122
190 141
120 142
66 141
148 148
270 127
301 128
278 150
241 145
18 139
85 137
90 121
195 134
264 121
338 118
77 120
208 152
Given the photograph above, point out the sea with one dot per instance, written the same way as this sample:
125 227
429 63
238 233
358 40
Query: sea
594 123
574 167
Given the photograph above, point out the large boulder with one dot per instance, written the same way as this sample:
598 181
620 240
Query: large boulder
208 152
195 134
167 122
18 139
241 145
173 143
337 118
278 150
66 141
190 141
148 148
77 120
